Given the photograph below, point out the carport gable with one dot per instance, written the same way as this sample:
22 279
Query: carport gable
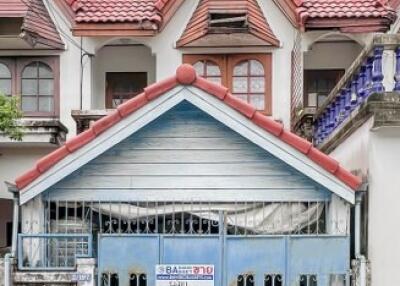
187 155
213 100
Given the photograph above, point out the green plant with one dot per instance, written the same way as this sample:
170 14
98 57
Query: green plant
9 115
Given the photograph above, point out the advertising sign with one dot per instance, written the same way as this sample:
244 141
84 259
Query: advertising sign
184 275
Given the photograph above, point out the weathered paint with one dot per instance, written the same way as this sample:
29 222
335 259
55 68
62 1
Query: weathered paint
289 256
186 149
319 171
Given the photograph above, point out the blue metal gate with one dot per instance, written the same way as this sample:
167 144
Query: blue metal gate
258 258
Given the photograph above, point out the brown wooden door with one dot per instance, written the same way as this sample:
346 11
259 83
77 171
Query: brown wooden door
122 86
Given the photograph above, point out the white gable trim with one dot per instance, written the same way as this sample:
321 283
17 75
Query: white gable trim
210 105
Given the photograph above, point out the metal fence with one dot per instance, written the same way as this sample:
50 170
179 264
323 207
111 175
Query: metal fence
196 218
52 251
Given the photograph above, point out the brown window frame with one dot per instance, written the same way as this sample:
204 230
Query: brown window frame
109 92
17 65
227 62
311 73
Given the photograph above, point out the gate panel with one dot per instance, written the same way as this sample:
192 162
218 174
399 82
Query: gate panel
254 255
193 250
322 256
128 255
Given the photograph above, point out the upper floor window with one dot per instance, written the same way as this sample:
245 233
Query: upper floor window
248 82
5 80
209 70
35 80
122 86
318 84
37 88
248 76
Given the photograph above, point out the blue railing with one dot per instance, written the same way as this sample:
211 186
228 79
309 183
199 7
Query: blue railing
364 77
46 251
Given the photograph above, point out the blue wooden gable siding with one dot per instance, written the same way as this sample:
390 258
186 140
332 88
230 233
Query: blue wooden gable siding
186 149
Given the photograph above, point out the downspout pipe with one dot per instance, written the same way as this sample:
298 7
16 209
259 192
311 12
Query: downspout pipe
7 269
357 225
357 238
9 257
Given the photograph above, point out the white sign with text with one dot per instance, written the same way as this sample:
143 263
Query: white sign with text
184 275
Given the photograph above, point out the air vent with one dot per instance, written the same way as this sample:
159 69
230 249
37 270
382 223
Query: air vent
224 22
10 26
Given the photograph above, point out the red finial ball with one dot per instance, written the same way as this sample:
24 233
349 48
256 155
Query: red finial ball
185 74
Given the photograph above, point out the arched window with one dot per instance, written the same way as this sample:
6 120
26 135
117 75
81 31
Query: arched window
5 80
209 70
37 92
248 76
248 82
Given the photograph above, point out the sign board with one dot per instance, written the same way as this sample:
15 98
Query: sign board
79 277
185 275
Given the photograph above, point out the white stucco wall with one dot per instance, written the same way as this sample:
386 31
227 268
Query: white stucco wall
14 162
375 153
384 211
331 55
130 58
354 151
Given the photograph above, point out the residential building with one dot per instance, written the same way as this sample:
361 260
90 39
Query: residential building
161 133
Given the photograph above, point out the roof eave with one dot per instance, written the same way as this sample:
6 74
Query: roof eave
350 25
112 30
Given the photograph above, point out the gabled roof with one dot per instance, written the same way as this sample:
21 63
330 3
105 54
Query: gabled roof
347 15
198 26
319 166
140 14
394 4
37 26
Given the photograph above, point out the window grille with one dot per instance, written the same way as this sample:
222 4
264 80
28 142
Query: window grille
308 280
273 280
245 280
5 80
138 279
109 279
193 218
37 92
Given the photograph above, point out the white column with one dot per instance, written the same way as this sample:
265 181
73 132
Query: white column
388 69
85 272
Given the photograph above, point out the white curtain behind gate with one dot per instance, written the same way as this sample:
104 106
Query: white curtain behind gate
268 218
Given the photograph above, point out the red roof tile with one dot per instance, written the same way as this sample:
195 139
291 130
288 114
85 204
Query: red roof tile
37 23
186 75
348 15
394 4
150 13
344 9
198 26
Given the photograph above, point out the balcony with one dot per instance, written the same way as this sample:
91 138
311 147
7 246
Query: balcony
369 88
84 118
44 132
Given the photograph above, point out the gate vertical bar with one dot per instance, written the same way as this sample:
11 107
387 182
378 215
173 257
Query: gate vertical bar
222 232
287 279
